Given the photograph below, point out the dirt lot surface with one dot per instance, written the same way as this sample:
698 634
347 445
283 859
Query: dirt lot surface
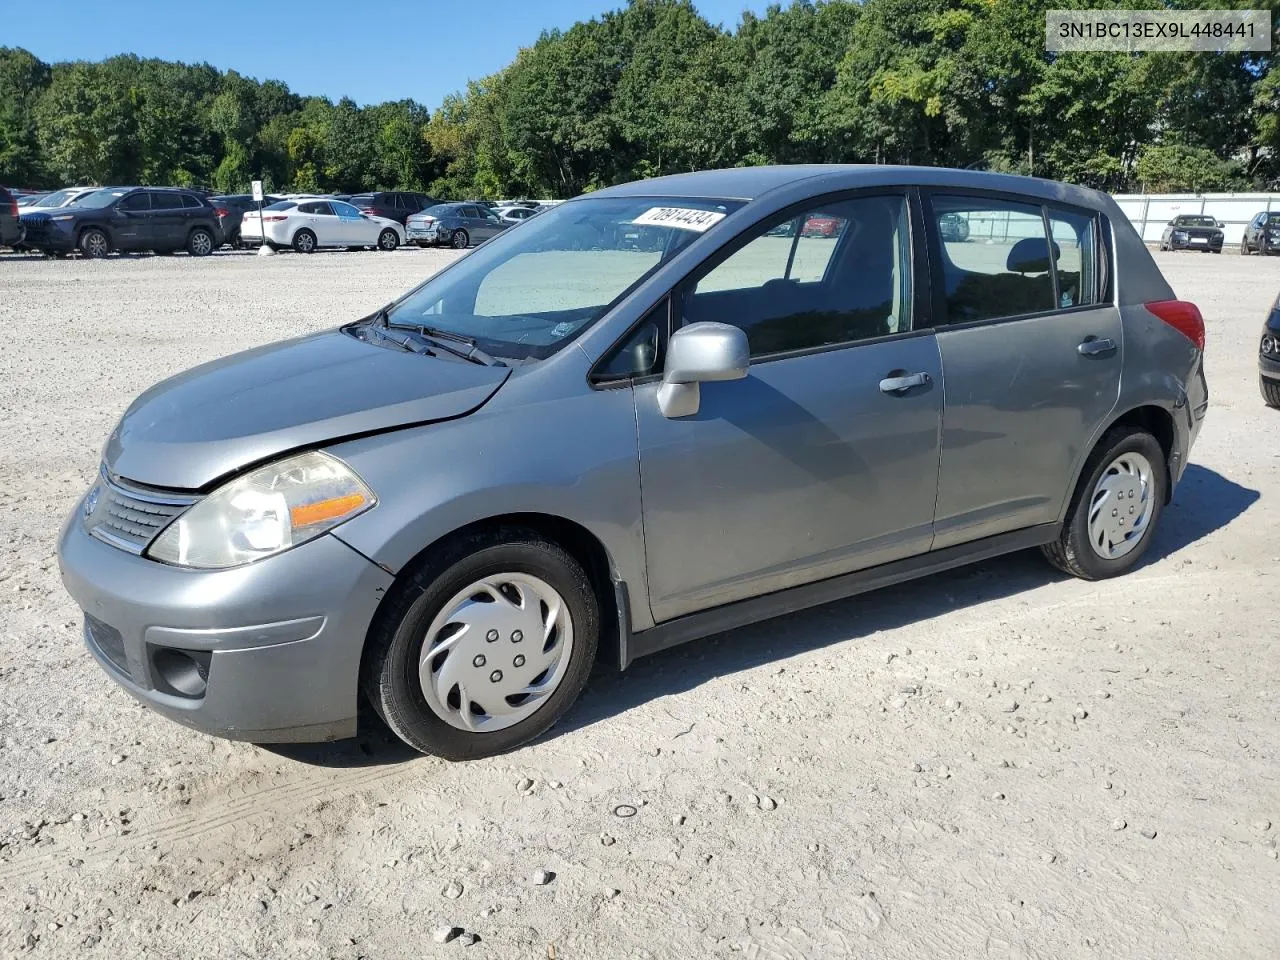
999 762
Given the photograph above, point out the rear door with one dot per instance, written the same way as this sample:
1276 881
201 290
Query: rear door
318 217
168 220
1032 353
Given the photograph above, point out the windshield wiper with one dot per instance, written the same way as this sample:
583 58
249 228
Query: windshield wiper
441 340
407 342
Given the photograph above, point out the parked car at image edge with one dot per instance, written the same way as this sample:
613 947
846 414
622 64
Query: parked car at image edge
438 507
310 224
231 208
27 199
1262 234
397 205
1192 232
162 219
11 227
454 225
1269 357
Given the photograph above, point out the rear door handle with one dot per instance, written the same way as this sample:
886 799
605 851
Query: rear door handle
1093 347
902 382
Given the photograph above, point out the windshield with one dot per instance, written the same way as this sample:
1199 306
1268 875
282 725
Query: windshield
100 198
1197 222
530 291
56 199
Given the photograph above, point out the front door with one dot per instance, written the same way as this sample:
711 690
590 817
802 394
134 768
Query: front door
824 458
353 228
1032 354
318 217
133 229
168 221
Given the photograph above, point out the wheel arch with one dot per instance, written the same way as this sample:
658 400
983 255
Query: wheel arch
581 544
1156 420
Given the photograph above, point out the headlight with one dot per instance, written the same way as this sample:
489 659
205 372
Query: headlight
269 510
63 216
1179 235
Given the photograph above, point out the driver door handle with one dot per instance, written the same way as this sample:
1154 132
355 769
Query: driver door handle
1093 347
902 382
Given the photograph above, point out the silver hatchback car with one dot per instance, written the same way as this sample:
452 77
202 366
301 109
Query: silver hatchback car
646 416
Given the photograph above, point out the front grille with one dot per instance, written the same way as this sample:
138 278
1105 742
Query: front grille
128 517
108 642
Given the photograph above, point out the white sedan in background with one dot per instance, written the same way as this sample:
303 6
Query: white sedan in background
309 224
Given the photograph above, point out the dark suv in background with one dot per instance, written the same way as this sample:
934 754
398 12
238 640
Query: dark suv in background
231 208
1262 234
10 222
128 218
397 205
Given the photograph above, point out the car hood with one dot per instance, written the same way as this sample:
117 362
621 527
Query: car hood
213 420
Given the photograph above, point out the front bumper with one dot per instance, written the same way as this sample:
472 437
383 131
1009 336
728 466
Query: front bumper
49 235
280 639
1197 243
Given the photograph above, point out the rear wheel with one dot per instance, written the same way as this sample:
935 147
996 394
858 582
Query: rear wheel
200 243
483 646
1270 391
459 240
1116 506
304 241
388 240
94 243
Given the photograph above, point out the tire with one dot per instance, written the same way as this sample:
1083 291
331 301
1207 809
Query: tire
1270 392
200 242
388 240
354 249
459 240
233 241
94 243
304 241
421 601
1073 552
1244 248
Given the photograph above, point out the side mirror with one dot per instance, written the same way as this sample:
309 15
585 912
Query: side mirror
700 353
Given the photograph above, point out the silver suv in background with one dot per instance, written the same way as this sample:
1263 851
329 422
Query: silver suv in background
573 443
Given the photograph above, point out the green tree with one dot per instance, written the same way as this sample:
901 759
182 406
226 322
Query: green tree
23 79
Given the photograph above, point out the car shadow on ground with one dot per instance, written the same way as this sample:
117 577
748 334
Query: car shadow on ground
1205 501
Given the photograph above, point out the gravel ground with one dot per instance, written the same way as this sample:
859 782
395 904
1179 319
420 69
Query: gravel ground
998 762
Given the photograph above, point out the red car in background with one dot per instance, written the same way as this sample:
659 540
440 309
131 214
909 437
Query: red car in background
820 226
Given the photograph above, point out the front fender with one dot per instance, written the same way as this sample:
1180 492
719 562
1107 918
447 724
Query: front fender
571 457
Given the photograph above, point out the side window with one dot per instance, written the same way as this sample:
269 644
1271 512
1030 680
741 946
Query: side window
135 202
832 274
641 353
470 212
190 202
995 258
1074 240
311 208
165 201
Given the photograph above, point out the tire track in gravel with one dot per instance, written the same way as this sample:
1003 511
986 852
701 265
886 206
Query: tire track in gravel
273 801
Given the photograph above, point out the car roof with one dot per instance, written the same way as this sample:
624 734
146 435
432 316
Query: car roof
751 183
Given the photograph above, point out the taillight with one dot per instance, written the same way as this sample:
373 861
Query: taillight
275 217
13 207
221 211
1182 316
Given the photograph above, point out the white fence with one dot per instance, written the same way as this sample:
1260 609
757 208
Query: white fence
1149 213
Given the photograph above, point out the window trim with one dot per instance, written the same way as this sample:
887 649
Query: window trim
938 283
664 337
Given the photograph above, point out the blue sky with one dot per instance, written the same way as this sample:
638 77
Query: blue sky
370 52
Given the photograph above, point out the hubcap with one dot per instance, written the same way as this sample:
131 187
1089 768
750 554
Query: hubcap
304 241
459 240
388 241
201 243
495 652
1120 509
97 244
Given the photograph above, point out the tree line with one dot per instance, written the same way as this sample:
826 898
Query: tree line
654 88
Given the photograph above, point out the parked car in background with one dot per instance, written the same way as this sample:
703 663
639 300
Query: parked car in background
953 228
1262 234
231 209
397 205
1192 232
514 215
308 225
161 219
1269 357
11 227
456 225
59 198
27 199
553 450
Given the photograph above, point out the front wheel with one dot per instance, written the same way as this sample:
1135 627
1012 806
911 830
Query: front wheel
200 243
94 243
482 646
1116 506
1270 391
388 240
459 240
1244 248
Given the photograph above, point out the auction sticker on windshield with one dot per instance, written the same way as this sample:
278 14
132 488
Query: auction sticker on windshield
682 218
